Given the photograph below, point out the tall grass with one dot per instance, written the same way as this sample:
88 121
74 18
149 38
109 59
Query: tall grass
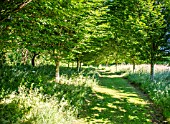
30 95
158 90
31 106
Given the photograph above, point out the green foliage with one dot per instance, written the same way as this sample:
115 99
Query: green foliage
159 90
8 8
31 106
88 31
35 97
115 101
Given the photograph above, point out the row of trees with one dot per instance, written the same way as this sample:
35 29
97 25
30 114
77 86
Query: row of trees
140 27
88 31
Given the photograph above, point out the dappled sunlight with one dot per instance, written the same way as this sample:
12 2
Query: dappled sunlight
115 101
116 93
99 109
136 100
111 105
107 99
132 98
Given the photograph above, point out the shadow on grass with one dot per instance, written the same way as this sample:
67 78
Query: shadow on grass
116 83
104 108
41 77
11 77
116 102
10 112
97 107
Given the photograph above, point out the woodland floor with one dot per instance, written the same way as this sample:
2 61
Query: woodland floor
115 101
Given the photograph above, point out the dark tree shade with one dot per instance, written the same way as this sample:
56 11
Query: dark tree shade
8 7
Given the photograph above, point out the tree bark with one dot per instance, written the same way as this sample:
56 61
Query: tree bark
106 63
116 65
152 61
78 65
134 67
33 59
133 61
68 64
152 69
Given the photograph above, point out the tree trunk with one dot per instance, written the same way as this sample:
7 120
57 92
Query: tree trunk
152 61
152 69
106 63
78 65
33 59
68 64
116 65
57 71
134 67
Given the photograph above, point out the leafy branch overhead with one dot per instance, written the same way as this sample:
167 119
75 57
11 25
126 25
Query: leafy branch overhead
10 7
91 31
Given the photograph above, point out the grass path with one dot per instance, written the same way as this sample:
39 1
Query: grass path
116 102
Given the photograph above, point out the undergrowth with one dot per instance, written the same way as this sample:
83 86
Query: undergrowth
31 106
158 90
30 95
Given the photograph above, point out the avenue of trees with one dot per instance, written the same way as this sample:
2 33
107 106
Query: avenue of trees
86 31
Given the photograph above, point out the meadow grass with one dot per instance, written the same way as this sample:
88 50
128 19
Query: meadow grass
30 95
115 101
31 106
158 90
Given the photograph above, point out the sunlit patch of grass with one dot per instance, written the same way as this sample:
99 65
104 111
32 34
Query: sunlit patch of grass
54 103
111 105
130 97
158 90
132 117
98 109
110 100
30 106
137 101
117 102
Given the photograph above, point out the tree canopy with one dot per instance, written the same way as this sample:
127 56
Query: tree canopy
89 31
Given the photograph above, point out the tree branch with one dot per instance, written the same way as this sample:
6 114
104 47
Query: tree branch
22 5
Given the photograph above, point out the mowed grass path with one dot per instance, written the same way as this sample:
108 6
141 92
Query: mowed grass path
116 102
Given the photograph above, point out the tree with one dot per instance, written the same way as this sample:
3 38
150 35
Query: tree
141 21
154 29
